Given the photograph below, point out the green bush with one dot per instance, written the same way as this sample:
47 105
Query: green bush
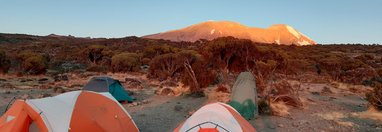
125 62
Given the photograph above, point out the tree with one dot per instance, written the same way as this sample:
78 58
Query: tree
164 66
228 54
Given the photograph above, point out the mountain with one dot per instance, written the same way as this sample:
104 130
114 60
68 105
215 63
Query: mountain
275 34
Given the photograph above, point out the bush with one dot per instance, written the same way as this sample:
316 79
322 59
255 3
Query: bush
5 63
164 66
125 62
95 53
146 61
375 97
152 51
33 63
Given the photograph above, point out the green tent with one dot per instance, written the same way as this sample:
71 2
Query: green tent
244 96
107 84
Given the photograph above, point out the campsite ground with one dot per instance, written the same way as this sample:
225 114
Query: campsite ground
342 108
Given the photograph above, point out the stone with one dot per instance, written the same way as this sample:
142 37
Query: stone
178 107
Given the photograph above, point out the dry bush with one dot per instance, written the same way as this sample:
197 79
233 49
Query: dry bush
96 68
326 90
5 63
164 66
279 108
146 61
125 62
283 91
222 88
151 51
95 53
204 75
359 75
263 72
33 63
375 97
215 94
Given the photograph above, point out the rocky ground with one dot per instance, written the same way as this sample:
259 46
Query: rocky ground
327 106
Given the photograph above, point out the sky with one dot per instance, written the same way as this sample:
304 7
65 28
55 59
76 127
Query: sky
325 21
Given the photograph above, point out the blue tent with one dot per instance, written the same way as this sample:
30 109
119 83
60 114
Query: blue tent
107 84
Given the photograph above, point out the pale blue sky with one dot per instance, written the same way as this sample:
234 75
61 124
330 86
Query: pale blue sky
325 21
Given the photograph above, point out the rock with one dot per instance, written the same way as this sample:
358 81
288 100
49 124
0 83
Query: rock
280 125
178 107
7 92
134 103
315 93
145 101
2 80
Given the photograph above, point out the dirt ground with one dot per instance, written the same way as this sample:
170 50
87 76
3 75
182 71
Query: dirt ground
336 110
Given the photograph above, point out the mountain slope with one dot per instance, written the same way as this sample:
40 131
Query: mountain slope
277 34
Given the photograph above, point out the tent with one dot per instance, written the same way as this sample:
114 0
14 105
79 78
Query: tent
107 84
244 96
215 117
73 111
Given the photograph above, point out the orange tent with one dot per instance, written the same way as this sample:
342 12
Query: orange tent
74 111
215 117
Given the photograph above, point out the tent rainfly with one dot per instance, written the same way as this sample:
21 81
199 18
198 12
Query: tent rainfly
107 84
244 95
215 117
76 111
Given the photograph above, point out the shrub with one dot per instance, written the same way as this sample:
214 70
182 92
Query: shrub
152 51
229 54
146 61
164 66
375 97
5 63
34 63
95 53
204 75
125 62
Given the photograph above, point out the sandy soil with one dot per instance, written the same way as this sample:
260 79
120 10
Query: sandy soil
339 110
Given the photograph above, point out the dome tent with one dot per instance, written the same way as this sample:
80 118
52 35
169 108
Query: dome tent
107 84
244 95
73 111
215 117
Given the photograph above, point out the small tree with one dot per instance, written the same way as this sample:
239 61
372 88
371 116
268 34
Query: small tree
95 53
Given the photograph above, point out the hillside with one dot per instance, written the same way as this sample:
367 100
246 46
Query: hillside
275 34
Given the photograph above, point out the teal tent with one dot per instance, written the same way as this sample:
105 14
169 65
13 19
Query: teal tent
244 96
107 84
